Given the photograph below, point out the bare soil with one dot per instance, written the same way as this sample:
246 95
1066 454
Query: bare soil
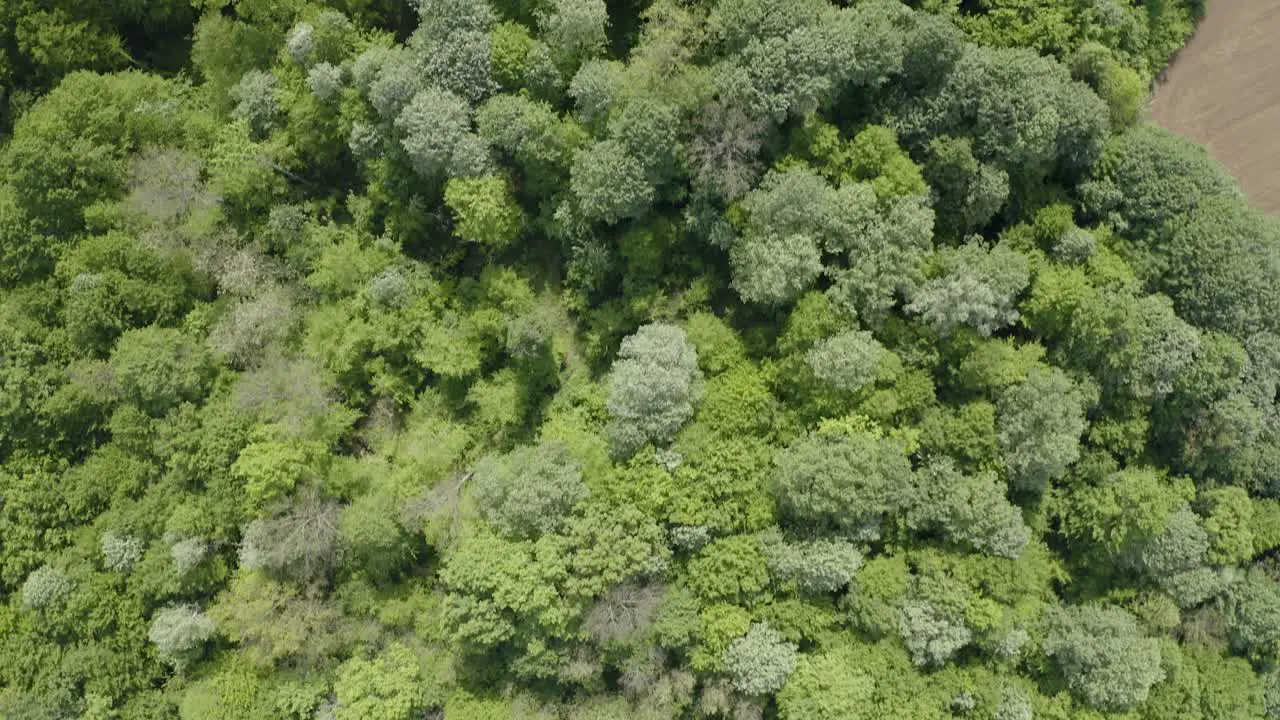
1223 91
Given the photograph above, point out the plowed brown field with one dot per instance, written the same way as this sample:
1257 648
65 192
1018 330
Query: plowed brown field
1223 91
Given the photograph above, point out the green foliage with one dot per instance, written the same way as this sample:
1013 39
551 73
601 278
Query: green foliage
157 368
815 566
729 569
1254 620
271 470
432 125
484 211
932 635
180 633
1123 511
272 623
654 388
978 288
584 359
1023 113
1103 656
1038 423
759 662
45 586
969 193
120 552
848 361
530 491
255 97
970 510
840 480
719 348
609 184
739 402
385 686
70 150
1228 520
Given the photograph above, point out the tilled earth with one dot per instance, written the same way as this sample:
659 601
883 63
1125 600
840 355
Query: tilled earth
1223 91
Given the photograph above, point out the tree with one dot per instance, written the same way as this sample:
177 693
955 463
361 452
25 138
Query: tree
1023 112
595 88
789 202
187 553
739 403
575 31
930 635
121 552
861 681
1228 522
157 368
180 633
1122 88
1039 423
388 78
1154 347
1179 547
654 388
967 509
979 288
454 47
372 538
775 269
759 662
530 491
969 193
730 569
718 346
814 566
1146 181
1217 264
840 480
255 97
848 361
789 66
649 129
625 614
1253 617
272 622
1106 661
820 688
387 686
299 543
271 469
884 261
45 586
484 210
325 80
794 215
432 126
609 183
1123 511
723 152
503 592
68 151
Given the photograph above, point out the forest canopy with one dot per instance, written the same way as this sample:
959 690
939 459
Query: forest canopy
582 360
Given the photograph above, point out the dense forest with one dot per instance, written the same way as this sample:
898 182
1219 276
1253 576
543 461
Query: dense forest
627 359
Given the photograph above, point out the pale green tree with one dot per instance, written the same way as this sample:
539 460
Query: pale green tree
654 388
1039 422
1101 652
759 662
529 491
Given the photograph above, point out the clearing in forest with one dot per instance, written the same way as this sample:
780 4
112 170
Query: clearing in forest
1222 92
